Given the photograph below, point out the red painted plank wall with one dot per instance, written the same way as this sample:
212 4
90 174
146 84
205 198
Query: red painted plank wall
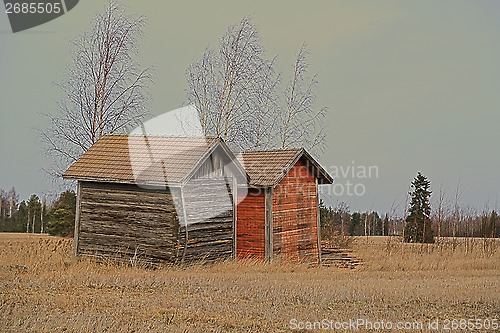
250 225
295 225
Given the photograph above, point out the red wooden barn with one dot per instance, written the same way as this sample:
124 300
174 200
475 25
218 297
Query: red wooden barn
280 216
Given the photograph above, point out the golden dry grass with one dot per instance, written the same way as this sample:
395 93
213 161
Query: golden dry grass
44 289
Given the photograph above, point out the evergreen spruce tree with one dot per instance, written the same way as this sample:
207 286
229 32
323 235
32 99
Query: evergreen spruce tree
355 227
418 227
61 220
493 232
386 226
325 214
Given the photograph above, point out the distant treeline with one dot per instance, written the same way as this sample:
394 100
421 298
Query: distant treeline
457 223
35 215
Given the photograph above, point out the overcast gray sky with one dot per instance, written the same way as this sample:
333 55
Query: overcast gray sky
411 85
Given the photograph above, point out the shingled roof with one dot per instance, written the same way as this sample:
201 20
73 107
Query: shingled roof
141 159
171 160
267 168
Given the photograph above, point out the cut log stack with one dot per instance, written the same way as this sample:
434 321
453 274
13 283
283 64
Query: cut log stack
339 257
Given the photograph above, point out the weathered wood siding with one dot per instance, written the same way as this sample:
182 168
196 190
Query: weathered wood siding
295 219
126 222
208 206
217 165
250 225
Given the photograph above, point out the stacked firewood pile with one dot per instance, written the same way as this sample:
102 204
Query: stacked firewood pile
335 256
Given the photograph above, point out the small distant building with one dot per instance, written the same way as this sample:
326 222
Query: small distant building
279 217
156 199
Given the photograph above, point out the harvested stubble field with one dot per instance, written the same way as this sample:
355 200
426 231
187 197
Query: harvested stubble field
44 289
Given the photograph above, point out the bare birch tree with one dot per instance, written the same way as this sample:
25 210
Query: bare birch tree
239 96
300 122
456 211
440 214
105 91
234 88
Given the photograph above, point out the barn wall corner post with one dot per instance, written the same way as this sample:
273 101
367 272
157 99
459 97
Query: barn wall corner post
318 223
185 220
77 216
268 249
235 216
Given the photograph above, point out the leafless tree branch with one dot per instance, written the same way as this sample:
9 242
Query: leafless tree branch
106 90
238 94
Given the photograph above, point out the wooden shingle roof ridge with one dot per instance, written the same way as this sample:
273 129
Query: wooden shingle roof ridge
326 177
149 159
268 167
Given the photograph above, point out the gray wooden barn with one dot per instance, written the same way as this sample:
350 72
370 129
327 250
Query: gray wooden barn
156 199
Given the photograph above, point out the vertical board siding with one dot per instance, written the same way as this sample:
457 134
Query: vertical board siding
213 166
209 213
295 219
251 225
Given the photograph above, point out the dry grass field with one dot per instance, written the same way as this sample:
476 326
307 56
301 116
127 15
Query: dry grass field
44 289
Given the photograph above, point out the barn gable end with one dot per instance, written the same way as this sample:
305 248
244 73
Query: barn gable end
295 224
282 219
